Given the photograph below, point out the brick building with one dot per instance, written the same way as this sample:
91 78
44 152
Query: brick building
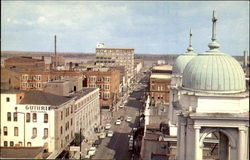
159 84
108 81
25 63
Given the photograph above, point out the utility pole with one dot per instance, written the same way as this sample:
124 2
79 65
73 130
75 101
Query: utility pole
80 142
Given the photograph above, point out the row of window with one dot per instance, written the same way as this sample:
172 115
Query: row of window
31 85
31 77
99 79
28 117
113 51
66 126
67 111
104 95
5 143
100 86
34 132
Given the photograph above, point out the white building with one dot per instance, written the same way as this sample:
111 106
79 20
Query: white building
176 83
37 119
87 112
213 119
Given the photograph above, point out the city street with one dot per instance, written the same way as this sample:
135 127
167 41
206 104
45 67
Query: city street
116 147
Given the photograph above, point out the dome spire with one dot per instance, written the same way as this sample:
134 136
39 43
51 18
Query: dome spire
190 48
214 45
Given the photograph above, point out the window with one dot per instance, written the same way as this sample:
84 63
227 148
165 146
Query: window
34 117
46 118
71 121
15 116
106 79
11 143
20 143
5 143
8 116
29 144
92 78
15 131
27 117
5 131
45 133
7 99
106 86
61 130
34 132
71 109
61 115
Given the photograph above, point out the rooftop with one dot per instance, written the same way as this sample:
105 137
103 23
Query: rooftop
43 98
160 76
163 67
21 152
83 92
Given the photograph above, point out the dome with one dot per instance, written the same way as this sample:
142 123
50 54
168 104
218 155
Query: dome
183 59
214 71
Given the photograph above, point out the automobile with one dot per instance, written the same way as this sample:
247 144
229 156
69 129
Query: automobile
130 146
128 119
92 151
110 133
108 126
121 106
134 129
118 121
96 143
102 135
121 118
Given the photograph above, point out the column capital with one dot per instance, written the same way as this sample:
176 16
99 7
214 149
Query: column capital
197 127
242 128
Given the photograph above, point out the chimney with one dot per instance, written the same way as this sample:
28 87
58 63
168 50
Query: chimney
245 59
55 55
55 45
42 58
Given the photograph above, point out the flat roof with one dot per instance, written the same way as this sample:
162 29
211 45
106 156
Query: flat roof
20 152
160 76
114 48
163 67
83 92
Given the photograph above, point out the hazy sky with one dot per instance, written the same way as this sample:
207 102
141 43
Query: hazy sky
159 27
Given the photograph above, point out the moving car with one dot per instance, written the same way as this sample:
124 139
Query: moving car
118 121
121 118
129 119
108 126
110 133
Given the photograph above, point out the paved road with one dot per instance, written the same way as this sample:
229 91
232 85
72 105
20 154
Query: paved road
117 146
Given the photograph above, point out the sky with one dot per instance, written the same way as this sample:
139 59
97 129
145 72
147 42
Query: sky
150 27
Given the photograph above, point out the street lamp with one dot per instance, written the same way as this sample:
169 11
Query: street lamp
23 125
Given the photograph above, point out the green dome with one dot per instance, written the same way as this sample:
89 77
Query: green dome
181 62
214 71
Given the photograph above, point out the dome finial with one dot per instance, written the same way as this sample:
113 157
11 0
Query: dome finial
190 48
214 44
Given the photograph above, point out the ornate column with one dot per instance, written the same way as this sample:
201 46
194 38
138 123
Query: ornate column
197 152
241 144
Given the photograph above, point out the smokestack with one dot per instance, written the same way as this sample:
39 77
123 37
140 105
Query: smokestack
245 59
55 45
42 58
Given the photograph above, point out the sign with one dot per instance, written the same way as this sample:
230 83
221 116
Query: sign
74 148
37 108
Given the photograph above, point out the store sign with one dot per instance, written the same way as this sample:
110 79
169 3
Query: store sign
37 108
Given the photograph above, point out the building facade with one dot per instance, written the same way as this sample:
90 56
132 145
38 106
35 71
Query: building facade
37 119
108 82
108 57
25 63
159 84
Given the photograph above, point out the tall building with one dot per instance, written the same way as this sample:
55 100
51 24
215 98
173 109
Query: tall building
213 120
159 83
106 56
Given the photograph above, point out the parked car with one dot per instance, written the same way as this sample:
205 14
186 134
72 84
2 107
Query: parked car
118 121
108 126
121 118
102 135
91 152
134 129
110 133
96 143
121 106
129 119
